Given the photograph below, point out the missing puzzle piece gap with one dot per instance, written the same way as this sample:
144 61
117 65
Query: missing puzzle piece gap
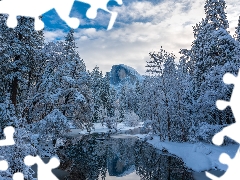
3 165
8 132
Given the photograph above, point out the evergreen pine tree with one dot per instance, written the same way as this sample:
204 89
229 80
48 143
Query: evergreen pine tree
64 85
96 86
163 97
213 49
237 31
215 13
22 58
213 45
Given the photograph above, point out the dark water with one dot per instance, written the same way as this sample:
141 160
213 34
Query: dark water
120 158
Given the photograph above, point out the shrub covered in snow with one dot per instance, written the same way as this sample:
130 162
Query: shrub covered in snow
131 119
48 131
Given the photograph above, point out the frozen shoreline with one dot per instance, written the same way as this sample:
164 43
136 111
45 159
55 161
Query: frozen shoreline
198 157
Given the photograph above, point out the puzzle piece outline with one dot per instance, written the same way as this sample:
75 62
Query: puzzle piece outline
233 172
63 8
92 11
8 141
230 131
3 165
44 170
9 134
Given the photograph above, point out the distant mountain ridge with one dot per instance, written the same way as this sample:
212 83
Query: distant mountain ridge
122 74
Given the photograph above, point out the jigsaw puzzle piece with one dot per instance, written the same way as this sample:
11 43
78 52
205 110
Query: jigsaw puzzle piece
5 9
44 170
233 172
35 8
4 167
230 131
8 141
8 132
101 4
235 98
221 105
63 8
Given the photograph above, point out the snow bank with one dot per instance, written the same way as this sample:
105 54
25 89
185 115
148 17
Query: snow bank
121 127
130 170
198 156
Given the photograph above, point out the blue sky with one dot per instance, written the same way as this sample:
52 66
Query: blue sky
79 9
142 26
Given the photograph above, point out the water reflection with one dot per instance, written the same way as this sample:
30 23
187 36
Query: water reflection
153 165
94 158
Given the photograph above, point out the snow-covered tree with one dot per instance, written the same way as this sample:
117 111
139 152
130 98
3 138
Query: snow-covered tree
7 114
183 108
162 96
16 153
212 90
48 131
100 87
112 121
131 119
112 102
215 13
64 85
237 31
154 65
128 98
21 59
213 53
150 103
96 86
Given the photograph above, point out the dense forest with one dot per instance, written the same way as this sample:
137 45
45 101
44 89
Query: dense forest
45 88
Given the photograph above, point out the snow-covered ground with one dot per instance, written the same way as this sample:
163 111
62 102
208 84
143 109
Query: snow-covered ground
131 176
121 127
198 156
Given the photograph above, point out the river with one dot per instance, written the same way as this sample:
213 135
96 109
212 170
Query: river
120 157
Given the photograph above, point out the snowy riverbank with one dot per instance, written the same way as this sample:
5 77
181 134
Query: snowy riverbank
121 129
198 156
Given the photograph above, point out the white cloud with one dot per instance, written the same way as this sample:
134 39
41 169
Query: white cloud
233 13
130 44
144 28
53 35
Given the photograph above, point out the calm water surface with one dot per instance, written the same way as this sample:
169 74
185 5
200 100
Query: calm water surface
123 158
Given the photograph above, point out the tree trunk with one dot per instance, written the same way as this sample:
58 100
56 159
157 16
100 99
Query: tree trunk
14 87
